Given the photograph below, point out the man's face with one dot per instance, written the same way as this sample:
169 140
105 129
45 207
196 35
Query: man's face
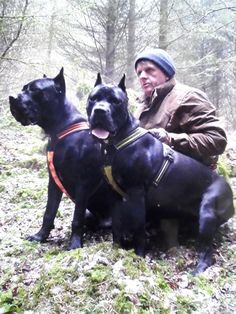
150 76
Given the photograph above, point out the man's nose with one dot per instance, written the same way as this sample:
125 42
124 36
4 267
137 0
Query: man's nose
142 75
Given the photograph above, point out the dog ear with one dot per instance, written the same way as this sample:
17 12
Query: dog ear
59 81
98 80
12 100
44 76
121 85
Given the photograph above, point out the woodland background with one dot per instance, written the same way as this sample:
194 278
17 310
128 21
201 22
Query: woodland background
86 37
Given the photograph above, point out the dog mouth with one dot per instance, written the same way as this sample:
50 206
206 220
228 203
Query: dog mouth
101 123
24 118
100 133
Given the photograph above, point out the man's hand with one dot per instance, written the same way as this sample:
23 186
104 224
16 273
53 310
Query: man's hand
161 134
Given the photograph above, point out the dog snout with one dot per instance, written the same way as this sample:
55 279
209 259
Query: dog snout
101 108
23 98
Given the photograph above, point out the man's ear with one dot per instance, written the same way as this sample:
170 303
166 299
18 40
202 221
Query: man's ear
121 85
59 81
98 80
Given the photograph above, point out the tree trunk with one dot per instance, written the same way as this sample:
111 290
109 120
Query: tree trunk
131 44
15 35
110 40
163 24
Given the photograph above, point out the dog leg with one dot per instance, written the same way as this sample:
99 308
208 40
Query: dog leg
78 222
207 229
54 199
216 208
128 222
170 229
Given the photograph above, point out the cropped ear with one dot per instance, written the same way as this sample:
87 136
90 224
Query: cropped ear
98 80
121 85
12 100
59 81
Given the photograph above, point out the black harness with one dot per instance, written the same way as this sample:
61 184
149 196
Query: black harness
168 155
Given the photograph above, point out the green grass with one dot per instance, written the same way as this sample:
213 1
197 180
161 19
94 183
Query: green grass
100 278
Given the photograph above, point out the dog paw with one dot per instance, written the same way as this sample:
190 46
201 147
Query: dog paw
75 243
36 237
201 267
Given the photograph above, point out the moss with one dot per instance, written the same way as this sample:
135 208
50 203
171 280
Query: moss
134 265
162 283
204 284
185 305
99 274
32 163
11 300
26 196
122 303
2 188
223 168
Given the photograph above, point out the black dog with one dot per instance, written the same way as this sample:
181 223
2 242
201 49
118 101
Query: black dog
74 157
153 177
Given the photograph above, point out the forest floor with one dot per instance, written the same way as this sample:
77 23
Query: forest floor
46 278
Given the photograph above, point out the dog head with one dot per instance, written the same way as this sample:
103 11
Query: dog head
107 108
38 99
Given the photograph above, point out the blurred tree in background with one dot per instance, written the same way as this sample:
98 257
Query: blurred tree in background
91 36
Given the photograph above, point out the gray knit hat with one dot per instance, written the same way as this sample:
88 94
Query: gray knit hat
160 57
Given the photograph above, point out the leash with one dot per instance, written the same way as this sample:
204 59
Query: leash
168 155
50 154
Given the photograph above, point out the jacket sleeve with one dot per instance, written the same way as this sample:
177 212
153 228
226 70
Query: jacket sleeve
201 134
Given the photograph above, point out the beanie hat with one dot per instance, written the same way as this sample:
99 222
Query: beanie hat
160 57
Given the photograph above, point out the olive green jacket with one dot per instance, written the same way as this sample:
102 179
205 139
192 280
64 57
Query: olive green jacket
189 118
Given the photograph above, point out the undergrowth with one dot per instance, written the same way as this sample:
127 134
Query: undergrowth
99 278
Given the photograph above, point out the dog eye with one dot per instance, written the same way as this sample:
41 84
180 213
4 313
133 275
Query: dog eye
34 89
24 88
36 94
113 100
93 98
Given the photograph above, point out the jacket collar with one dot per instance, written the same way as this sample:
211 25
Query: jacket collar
158 94
161 91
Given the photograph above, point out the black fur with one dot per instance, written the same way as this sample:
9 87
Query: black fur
77 157
187 188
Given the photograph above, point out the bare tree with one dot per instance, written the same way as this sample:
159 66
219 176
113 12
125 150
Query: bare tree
163 24
11 26
110 39
131 43
100 44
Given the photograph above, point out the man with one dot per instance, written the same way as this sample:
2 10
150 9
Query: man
179 115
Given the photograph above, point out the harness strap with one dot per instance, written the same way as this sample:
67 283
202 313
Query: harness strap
73 128
168 154
136 134
50 156
111 181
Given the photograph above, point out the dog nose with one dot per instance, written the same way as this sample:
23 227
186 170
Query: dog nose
101 108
